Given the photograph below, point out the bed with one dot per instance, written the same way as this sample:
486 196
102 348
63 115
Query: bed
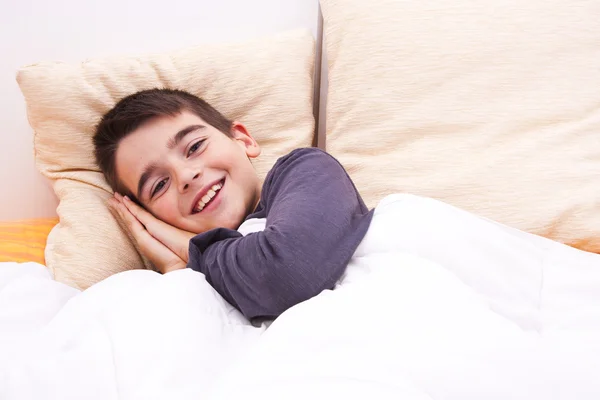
474 124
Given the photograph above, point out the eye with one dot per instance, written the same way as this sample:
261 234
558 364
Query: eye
158 187
194 148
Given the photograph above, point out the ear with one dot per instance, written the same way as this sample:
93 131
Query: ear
240 134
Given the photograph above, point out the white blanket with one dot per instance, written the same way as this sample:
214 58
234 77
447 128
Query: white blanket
436 304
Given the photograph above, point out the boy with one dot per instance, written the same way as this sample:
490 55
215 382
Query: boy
190 170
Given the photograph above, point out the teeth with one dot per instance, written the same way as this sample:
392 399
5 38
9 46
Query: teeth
208 196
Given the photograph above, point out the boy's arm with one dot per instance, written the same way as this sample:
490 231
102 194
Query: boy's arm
315 221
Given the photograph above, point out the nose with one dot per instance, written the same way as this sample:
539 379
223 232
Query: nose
185 177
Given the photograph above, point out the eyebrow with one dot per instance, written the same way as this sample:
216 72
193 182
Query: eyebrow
171 144
175 140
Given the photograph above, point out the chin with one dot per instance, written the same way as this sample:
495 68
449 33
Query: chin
234 223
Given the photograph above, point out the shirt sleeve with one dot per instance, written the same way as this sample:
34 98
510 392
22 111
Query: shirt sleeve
315 220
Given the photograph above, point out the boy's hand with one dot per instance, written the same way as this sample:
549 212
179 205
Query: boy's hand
163 258
174 238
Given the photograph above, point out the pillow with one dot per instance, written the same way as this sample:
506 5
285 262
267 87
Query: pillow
25 240
493 107
266 83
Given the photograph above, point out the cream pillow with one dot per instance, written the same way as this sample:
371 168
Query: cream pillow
265 83
491 106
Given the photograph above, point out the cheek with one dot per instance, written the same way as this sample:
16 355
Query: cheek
166 209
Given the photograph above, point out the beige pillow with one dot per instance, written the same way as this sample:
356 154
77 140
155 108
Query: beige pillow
491 106
266 83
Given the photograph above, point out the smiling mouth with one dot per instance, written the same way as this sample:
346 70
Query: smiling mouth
208 197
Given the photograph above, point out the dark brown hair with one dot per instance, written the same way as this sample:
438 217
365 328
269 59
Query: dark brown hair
134 110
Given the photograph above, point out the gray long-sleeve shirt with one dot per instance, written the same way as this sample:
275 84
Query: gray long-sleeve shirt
315 220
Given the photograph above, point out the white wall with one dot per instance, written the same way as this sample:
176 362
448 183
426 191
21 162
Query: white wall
73 30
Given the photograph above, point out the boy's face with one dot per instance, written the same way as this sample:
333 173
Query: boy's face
189 174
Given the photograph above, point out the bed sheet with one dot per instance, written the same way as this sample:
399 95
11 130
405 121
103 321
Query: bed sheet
436 304
439 304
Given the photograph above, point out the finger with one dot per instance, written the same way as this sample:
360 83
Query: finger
112 207
142 215
157 228
150 247
110 203
156 252
174 238
134 212
132 223
117 197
